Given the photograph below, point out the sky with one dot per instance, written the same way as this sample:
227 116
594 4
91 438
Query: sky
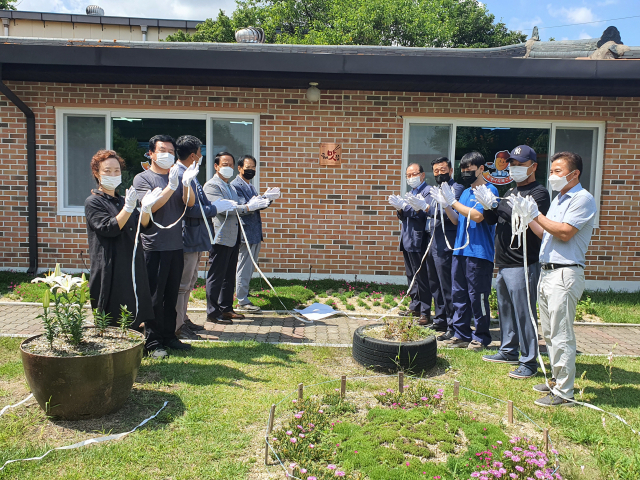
517 14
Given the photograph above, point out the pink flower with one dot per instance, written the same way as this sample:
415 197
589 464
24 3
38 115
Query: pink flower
293 465
320 411
293 440
331 466
355 451
288 432
424 399
513 475
303 470
408 464
297 415
515 458
301 435
519 468
340 473
312 478
311 445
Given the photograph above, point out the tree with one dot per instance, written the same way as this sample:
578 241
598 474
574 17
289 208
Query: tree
411 23
7 4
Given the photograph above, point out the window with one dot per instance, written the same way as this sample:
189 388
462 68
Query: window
82 132
427 138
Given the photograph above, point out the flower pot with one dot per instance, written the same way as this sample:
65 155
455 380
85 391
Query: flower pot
76 388
417 356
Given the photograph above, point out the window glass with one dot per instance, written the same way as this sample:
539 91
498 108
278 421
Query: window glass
426 143
582 141
491 140
131 137
234 136
84 136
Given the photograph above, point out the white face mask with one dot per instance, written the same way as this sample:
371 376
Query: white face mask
110 182
519 174
558 183
199 160
226 172
414 181
165 160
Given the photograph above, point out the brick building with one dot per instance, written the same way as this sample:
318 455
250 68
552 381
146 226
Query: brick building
385 107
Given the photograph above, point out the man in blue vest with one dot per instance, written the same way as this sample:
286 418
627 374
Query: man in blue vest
413 244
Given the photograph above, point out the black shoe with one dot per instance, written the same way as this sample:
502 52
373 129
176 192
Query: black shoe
425 320
185 333
176 344
440 328
194 327
448 335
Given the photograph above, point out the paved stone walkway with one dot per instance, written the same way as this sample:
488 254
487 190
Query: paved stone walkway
20 319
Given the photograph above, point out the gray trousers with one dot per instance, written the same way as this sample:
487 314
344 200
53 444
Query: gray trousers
517 334
244 271
559 293
187 282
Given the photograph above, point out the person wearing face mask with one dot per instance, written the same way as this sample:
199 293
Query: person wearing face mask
195 235
112 222
517 334
414 239
472 266
252 224
163 246
223 257
568 226
440 256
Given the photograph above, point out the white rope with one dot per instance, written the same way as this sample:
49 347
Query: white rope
15 405
178 220
87 442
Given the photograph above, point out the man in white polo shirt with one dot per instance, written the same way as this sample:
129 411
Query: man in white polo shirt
567 232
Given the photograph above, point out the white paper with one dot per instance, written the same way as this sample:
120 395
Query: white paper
317 311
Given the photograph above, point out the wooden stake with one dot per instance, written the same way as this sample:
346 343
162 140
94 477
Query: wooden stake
269 429
401 382
456 390
343 386
510 411
300 392
546 440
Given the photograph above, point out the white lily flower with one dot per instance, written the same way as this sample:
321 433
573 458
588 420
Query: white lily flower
49 279
67 282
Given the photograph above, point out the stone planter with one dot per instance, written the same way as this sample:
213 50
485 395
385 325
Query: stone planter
76 388
417 356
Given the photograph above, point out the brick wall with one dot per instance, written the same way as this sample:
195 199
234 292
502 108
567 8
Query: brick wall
336 220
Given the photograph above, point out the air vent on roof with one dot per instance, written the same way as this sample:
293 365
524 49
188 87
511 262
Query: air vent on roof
95 10
250 35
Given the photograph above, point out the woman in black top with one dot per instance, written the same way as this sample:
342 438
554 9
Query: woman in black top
112 223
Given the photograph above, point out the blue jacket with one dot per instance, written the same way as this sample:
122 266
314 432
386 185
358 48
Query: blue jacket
251 222
436 230
195 237
413 237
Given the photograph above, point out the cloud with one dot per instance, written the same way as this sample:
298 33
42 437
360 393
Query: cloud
573 15
584 35
525 25
607 3
165 9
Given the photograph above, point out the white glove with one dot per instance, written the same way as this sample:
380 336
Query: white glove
417 202
448 194
130 200
272 193
397 201
438 197
150 198
224 205
485 197
533 211
174 173
190 173
256 203
525 207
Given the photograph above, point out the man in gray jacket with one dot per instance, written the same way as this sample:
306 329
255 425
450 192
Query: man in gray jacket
196 237
223 256
252 225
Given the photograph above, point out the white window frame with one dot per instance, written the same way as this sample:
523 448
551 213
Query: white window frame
110 113
552 125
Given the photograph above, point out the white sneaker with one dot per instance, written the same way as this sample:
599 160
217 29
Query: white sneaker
249 307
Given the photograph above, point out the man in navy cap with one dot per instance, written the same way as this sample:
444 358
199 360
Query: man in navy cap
517 333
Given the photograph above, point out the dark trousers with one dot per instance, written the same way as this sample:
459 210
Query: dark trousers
165 271
439 262
221 278
420 293
471 286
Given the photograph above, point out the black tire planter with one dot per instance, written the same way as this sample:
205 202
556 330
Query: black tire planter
417 356
78 388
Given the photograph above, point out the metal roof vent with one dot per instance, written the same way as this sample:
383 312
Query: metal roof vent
250 35
95 10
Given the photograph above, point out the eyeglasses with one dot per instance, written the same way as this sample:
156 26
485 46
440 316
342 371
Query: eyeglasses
411 175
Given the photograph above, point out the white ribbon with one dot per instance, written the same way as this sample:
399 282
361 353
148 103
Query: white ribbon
15 405
86 442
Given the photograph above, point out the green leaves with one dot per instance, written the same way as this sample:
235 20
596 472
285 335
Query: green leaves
409 23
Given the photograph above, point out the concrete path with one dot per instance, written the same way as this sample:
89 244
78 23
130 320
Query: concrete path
20 320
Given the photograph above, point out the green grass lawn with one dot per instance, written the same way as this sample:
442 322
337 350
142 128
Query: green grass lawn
611 307
219 396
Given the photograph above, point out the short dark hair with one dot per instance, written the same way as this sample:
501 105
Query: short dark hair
472 158
440 160
421 170
573 160
186 145
161 138
247 157
216 161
